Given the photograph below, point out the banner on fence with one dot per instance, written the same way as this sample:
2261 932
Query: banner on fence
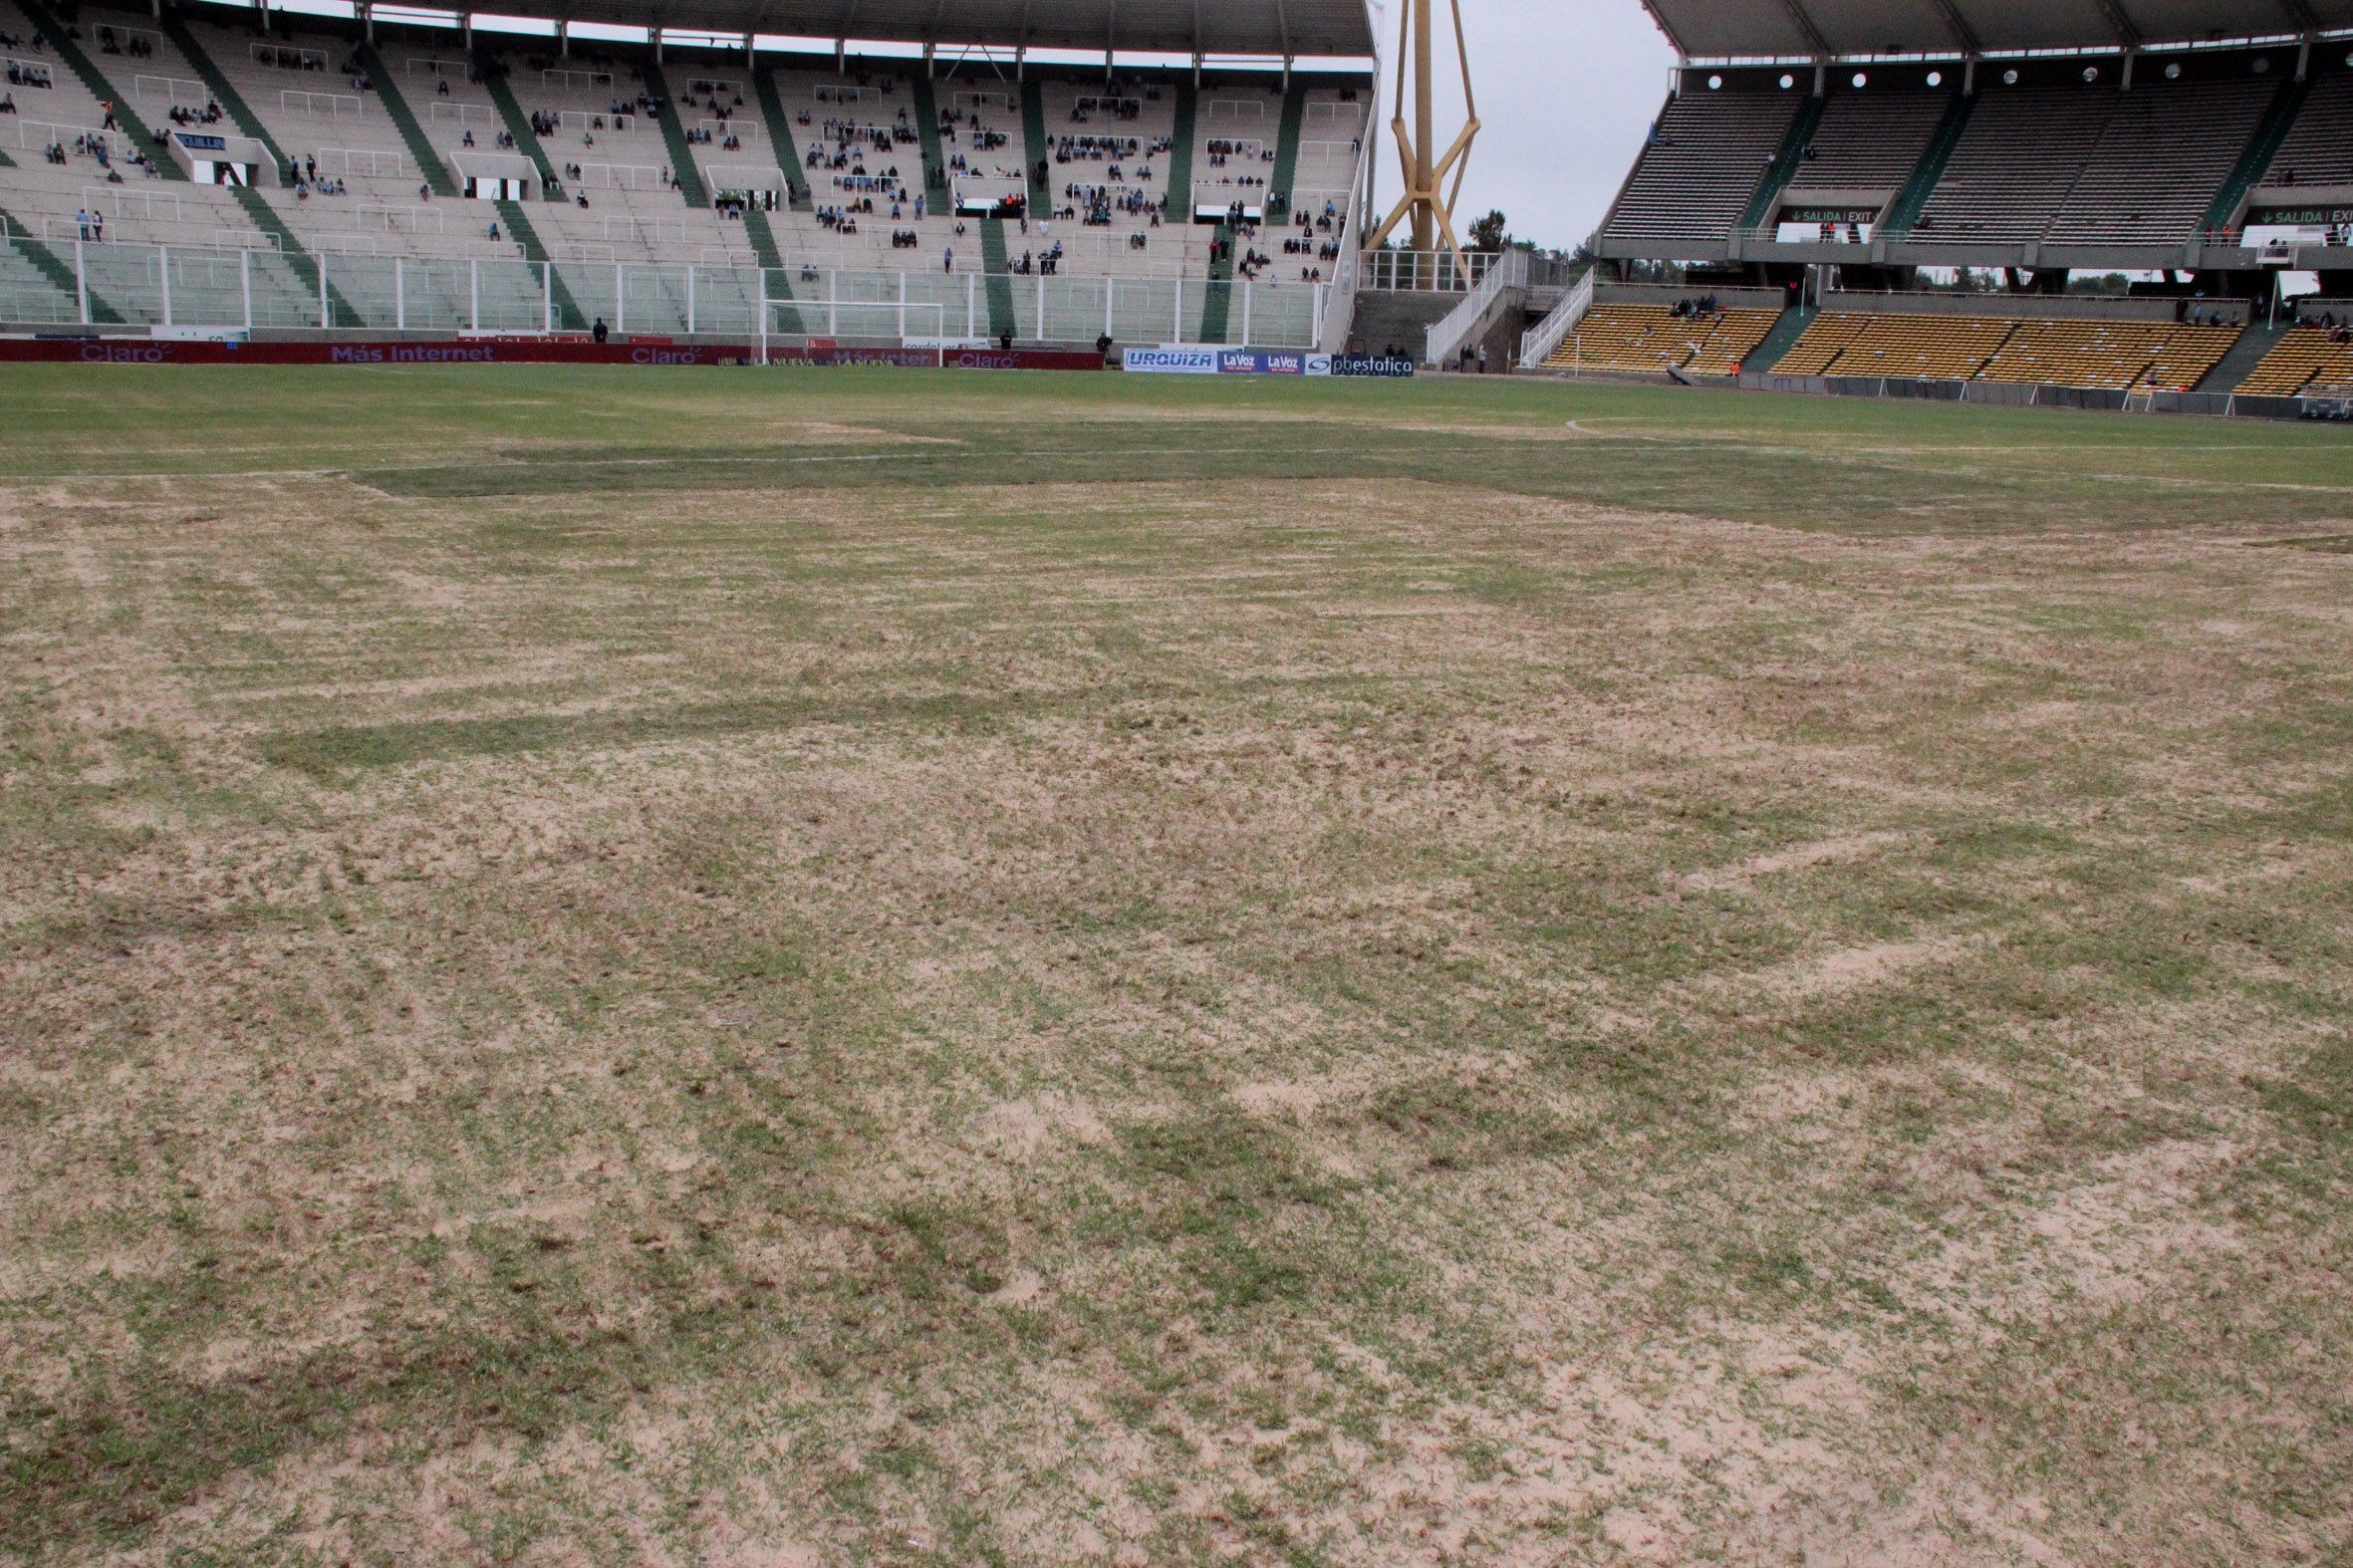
72 348
1171 361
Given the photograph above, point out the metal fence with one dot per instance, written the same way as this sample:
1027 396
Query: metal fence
103 284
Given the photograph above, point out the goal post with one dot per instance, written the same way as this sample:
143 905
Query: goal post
899 325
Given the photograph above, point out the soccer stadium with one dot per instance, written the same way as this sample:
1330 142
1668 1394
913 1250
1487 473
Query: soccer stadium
790 782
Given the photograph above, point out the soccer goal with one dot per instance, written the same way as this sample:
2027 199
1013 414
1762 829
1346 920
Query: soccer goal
900 332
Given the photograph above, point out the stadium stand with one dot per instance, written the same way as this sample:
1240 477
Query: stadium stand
2319 145
432 179
1649 338
2305 358
1870 140
2118 354
2088 166
1702 166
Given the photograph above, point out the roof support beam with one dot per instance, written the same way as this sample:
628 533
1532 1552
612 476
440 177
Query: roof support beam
1805 25
1962 34
2127 32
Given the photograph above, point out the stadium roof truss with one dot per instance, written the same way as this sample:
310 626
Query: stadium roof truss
1762 30
1247 29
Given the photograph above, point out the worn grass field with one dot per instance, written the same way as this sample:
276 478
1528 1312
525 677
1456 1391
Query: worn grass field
630 966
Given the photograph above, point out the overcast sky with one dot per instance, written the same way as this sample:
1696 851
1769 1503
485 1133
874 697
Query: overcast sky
1566 89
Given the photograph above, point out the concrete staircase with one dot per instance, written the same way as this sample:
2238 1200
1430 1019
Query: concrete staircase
780 137
223 91
997 275
1035 138
1908 206
50 269
2231 372
674 137
1286 155
429 166
1397 318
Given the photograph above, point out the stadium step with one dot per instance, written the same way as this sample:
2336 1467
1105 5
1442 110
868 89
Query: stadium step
2248 353
569 316
935 157
1784 166
2271 134
674 137
1777 343
998 272
134 130
1915 197
300 262
1217 301
1286 153
763 238
429 166
52 268
780 137
493 71
1041 146
223 91
1189 111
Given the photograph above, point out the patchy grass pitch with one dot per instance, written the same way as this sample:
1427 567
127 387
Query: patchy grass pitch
874 968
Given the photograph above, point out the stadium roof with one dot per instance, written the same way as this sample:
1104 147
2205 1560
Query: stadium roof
1272 28
1798 29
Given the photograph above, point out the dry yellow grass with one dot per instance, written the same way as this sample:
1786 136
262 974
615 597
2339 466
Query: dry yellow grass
1300 1020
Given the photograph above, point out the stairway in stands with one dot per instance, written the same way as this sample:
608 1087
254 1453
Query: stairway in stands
223 91
1189 111
1041 146
926 111
1906 209
51 270
1791 327
674 137
780 137
1286 155
429 166
518 225
2271 134
997 274
1217 297
2248 353
1784 166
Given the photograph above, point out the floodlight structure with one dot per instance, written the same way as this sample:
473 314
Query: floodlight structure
1424 168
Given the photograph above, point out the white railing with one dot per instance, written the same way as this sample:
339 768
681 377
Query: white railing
364 162
245 239
456 69
1337 311
1441 271
1244 110
1458 326
145 86
335 106
463 113
1546 336
52 134
560 76
126 199
980 101
620 177
287 56
743 130
353 288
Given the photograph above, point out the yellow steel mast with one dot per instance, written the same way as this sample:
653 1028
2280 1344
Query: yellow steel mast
1425 171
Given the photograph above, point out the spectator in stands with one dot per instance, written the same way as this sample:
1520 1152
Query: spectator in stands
8 104
600 330
82 222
